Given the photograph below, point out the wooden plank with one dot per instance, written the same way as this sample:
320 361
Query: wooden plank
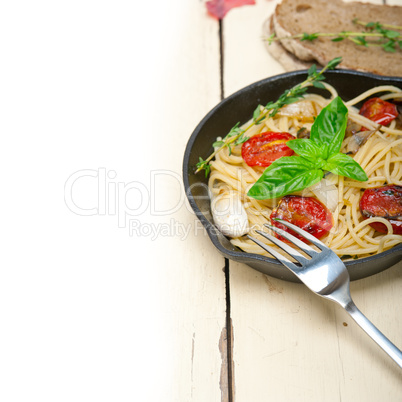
289 344
191 281
193 272
99 307
393 2
246 59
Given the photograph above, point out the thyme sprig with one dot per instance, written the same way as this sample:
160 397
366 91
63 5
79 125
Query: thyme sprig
376 34
237 136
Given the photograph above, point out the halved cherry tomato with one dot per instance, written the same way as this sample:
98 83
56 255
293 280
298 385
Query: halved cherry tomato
379 111
307 213
384 202
262 149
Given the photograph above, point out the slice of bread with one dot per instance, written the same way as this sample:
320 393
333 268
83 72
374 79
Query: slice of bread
288 60
293 17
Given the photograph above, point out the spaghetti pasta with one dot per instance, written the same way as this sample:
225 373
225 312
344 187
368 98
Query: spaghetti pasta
380 157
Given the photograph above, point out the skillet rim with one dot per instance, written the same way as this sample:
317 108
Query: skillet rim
214 234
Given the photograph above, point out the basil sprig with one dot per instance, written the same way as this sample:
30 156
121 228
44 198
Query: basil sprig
316 154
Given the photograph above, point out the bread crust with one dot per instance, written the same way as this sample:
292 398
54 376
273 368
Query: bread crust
293 17
287 59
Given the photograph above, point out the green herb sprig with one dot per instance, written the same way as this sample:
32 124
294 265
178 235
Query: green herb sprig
237 136
317 154
377 34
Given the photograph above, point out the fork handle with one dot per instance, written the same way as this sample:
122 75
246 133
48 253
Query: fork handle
374 333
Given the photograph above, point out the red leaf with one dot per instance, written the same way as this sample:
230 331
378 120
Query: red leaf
219 8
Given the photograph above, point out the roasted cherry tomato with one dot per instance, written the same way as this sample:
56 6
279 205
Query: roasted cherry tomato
307 213
384 202
262 149
379 111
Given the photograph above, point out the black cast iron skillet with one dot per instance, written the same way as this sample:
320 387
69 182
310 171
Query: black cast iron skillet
239 107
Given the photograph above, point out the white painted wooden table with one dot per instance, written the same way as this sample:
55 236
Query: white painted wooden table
109 288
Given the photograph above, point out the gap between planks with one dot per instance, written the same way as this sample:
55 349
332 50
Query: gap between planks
226 339
226 346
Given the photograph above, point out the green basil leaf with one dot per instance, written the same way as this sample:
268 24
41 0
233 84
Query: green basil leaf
329 127
285 176
344 165
305 148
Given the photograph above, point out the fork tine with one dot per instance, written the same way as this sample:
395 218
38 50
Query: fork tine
288 264
304 234
297 242
290 250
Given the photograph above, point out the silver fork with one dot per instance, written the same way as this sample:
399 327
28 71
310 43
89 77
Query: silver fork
326 275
